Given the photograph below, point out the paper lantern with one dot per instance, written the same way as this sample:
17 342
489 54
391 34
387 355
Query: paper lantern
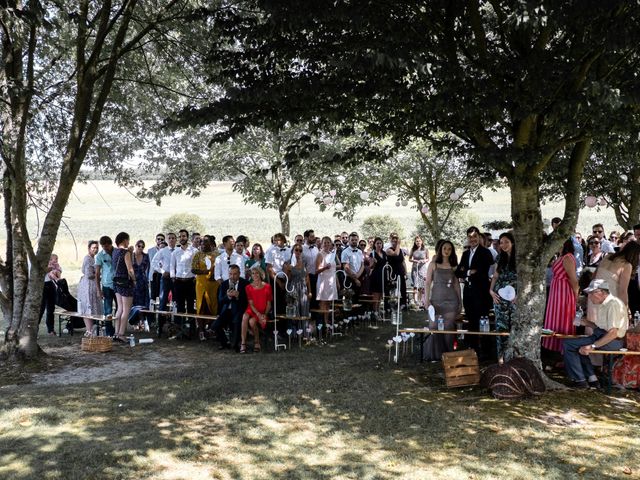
459 191
624 178
424 210
340 179
338 206
454 196
317 193
332 193
590 201
364 195
405 203
327 200
398 203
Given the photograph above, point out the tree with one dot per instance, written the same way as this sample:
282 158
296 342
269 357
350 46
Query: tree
518 82
381 226
183 221
57 74
265 167
430 176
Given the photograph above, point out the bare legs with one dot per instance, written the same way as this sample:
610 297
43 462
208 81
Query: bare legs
249 322
122 314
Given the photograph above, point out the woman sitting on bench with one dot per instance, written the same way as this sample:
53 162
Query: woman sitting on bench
259 295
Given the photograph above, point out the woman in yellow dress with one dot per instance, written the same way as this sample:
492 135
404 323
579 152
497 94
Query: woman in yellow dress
206 287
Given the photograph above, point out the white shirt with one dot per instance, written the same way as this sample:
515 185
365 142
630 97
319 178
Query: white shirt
152 253
354 257
223 262
309 255
606 246
277 257
162 260
181 260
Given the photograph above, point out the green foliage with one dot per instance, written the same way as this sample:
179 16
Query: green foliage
454 230
381 226
497 225
187 221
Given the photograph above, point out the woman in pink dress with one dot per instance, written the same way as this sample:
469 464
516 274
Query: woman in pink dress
563 294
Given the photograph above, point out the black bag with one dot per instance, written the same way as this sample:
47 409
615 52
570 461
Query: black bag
122 282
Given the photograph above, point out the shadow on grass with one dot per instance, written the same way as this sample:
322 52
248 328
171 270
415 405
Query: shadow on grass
332 412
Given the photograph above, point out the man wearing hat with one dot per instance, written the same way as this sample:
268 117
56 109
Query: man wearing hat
609 328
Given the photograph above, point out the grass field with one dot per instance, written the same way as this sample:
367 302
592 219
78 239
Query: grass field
183 410
100 208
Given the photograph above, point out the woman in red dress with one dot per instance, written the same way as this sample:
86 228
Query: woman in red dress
259 295
563 294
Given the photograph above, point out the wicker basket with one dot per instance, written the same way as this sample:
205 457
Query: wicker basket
97 344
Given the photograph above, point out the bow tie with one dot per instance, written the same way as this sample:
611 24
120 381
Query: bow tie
311 246
354 250
282 249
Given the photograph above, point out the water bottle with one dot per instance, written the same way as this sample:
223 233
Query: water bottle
146 325
79 307
483 324
486 324
440 323
132 341
577 320
174 307
636 319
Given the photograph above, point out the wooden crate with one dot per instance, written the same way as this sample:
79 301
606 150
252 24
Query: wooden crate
461 368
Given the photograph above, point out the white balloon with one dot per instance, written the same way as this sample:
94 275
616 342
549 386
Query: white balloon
459 191
454 196
341 179
332 193
590 201
424 210
398 203
364 195
317 193
405 203
338 206
327 200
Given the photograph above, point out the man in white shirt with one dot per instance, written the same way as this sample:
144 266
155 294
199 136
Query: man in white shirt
161 264
184 280
240 256
227 258
605 245
352 260
155 277
275 260
309 256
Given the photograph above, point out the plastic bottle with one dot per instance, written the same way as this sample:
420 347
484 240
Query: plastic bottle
132 341
636 319
440 323
79 307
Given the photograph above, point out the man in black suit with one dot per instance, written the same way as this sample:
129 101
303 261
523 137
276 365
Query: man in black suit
474 270
232 303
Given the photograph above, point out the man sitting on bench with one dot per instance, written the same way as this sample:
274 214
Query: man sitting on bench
609 328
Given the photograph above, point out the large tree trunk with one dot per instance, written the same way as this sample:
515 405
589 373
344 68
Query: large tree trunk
285 225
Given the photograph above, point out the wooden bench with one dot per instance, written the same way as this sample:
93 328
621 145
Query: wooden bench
65 315
611 354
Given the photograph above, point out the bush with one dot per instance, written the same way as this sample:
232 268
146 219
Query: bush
455 230
381 226
187 221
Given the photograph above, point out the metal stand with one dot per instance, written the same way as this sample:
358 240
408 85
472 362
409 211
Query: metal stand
392 278
346 285
276 345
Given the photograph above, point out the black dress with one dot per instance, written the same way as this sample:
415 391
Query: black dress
375 278
399 270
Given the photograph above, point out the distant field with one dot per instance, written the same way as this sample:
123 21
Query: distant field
100 208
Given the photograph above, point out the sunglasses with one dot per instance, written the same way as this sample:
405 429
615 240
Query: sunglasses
594 243
140 246
598 231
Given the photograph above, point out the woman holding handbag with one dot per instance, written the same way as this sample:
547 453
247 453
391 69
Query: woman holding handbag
124 281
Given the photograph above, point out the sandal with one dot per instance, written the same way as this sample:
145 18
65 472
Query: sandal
120 339
256 348
243 348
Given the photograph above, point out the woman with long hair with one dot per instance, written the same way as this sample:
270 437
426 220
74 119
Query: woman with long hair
379 258
257 257
504 276
326 266
419 258
442 291
563 294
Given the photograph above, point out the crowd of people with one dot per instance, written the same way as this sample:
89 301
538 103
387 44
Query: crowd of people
233 280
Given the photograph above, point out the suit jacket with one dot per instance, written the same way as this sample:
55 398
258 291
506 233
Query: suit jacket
481 262
235 306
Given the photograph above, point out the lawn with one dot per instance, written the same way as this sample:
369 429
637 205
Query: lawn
183 410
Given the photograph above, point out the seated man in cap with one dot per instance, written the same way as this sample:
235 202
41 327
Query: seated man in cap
609 328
